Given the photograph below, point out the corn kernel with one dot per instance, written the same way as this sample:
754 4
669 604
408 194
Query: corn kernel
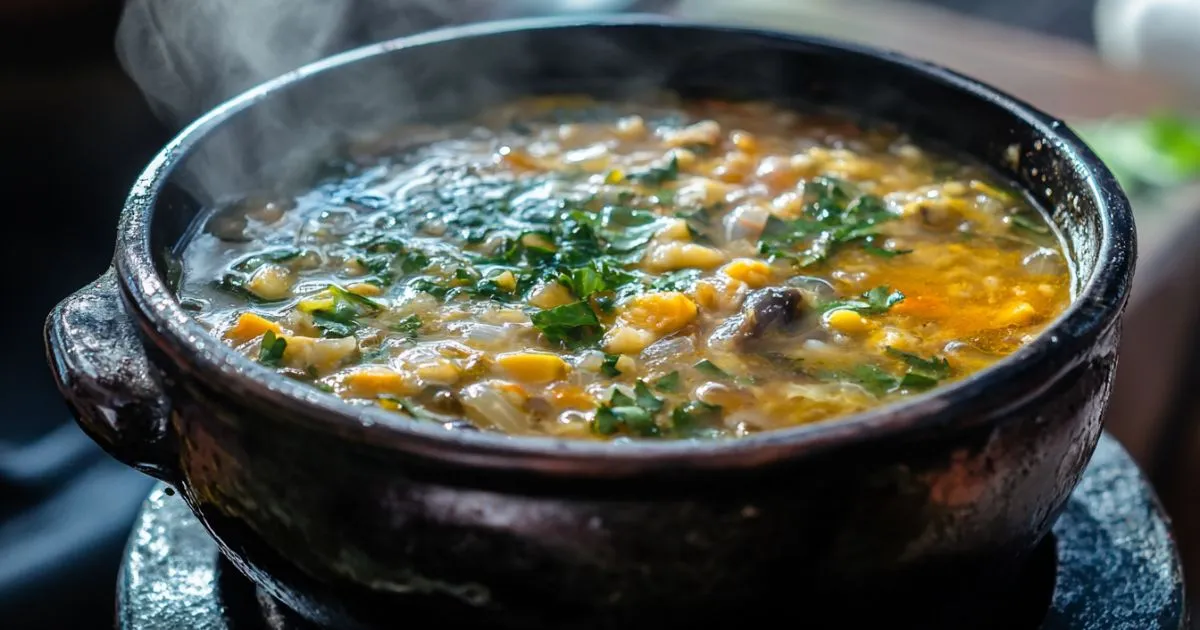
506 280
680 255
271 282
250 326
365 289
550 294
754 273
663 312
847 322
627 340
1019 314
373 381
533 367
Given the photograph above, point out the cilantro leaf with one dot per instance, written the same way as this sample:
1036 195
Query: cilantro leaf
572 324
680 280
668 383
710 369
270 353
609 367
695 419
632 415
873 302
646 398
409 326
936 368
656 175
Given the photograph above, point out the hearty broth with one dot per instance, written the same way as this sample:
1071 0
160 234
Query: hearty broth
578 269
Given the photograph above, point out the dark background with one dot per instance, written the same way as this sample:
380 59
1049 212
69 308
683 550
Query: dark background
74 133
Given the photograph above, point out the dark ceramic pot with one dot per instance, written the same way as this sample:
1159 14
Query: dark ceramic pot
359 518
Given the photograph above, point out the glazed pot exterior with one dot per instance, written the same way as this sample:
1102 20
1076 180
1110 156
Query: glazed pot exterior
359 520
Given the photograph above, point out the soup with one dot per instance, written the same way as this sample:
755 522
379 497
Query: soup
580 269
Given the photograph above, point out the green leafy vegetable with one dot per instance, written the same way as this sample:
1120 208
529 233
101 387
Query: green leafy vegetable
646 398
695 419
270 353
598 276
710 369
572 324
341 320
656 175
873 302
631 415
935 368
668 383
680 280
836 215
409 326
1157 151
609 367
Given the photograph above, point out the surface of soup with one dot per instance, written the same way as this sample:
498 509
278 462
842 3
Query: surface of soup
571 268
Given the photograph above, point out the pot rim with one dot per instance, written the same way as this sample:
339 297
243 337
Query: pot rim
183 340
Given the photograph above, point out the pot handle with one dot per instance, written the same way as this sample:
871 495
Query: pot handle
101 369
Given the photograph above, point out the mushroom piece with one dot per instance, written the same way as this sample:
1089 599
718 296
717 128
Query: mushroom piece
773 308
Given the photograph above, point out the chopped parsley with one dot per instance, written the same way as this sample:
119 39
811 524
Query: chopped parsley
340 318
409 326
668 383
572 324
709 368
876 301
934 368
836 215
656 175
696 419
270 353
631 415
609 366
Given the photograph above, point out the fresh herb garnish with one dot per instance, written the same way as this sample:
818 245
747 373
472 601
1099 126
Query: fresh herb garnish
270 353
873 302
409 326
836 215
695 419
340 318
709 368
571 324
609 366
680 280
656 175
668 383
632 415
884 253
599 276
934 368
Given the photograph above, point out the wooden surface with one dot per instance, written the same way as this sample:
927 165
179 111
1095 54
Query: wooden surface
1061 77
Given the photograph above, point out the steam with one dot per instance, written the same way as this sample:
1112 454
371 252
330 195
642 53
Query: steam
187 56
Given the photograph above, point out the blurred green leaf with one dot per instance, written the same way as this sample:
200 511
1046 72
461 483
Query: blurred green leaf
1157 151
